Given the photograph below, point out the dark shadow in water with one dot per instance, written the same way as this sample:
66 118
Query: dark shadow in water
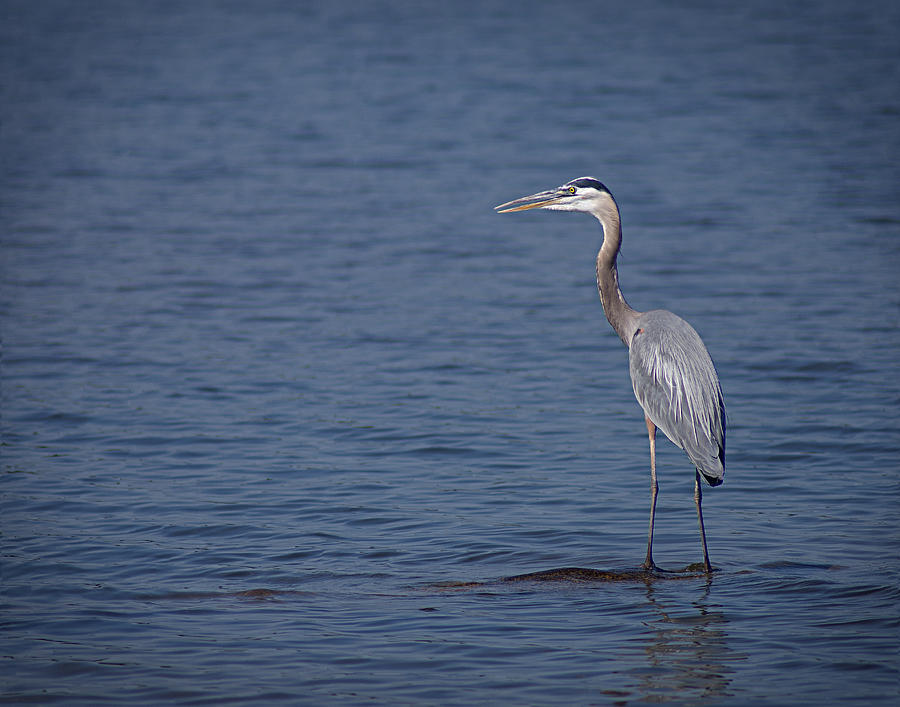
586 574
260 594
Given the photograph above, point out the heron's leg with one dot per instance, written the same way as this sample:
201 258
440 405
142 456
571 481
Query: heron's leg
654 489
698 497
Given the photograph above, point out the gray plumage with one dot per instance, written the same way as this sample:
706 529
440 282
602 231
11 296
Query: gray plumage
672 374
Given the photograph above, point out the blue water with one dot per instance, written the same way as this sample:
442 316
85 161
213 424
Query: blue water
283 399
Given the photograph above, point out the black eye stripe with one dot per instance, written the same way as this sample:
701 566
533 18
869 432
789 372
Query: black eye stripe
588 182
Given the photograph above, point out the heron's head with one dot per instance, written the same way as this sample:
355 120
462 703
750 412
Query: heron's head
583 194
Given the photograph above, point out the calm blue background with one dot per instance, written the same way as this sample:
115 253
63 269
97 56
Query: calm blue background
277 382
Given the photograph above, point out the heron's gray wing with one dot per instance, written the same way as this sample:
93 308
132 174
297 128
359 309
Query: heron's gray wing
675 382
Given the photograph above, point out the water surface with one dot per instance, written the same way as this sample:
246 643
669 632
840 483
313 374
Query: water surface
283 399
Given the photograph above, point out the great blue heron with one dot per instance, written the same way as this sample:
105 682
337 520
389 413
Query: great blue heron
672 374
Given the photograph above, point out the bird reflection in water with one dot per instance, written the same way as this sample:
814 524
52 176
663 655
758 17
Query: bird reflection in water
688 657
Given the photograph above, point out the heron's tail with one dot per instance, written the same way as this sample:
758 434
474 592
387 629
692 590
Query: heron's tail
712 480
712 469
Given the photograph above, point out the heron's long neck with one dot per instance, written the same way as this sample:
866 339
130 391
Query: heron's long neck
620 315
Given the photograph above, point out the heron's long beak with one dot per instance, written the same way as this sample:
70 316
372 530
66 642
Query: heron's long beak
535 201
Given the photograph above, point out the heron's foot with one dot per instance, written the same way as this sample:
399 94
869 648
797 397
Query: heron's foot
700 567
650 566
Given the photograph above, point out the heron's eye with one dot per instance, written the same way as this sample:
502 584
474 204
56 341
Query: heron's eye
572 190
